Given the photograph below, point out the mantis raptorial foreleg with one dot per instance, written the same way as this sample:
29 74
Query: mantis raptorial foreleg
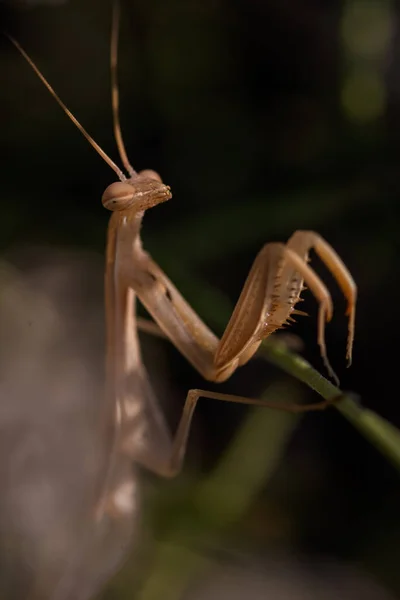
264 305
301 242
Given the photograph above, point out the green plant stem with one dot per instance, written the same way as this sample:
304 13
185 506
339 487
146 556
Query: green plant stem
382 434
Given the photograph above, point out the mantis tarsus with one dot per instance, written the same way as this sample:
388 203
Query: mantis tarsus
267 301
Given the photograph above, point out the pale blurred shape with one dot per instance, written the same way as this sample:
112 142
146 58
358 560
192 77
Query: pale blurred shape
56 540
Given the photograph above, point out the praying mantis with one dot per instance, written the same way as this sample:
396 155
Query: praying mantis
267 302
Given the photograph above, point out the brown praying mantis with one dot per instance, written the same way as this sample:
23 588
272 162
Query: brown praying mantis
267 302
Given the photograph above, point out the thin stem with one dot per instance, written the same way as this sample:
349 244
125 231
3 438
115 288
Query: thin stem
380 432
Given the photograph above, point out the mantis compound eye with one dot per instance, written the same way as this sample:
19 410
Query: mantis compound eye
150 174
118 196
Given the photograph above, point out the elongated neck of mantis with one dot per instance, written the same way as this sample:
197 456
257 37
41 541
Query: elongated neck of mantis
134 226
127 221
124 231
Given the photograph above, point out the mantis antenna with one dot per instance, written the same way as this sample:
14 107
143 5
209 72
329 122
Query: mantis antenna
115 91
69 114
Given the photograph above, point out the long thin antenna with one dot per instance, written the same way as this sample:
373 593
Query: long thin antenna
115 91
75 121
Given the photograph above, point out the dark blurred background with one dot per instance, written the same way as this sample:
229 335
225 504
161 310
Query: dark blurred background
264 117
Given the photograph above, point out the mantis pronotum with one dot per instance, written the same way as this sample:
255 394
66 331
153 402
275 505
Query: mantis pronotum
270 294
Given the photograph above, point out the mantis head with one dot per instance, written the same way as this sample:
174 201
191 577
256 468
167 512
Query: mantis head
140 192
